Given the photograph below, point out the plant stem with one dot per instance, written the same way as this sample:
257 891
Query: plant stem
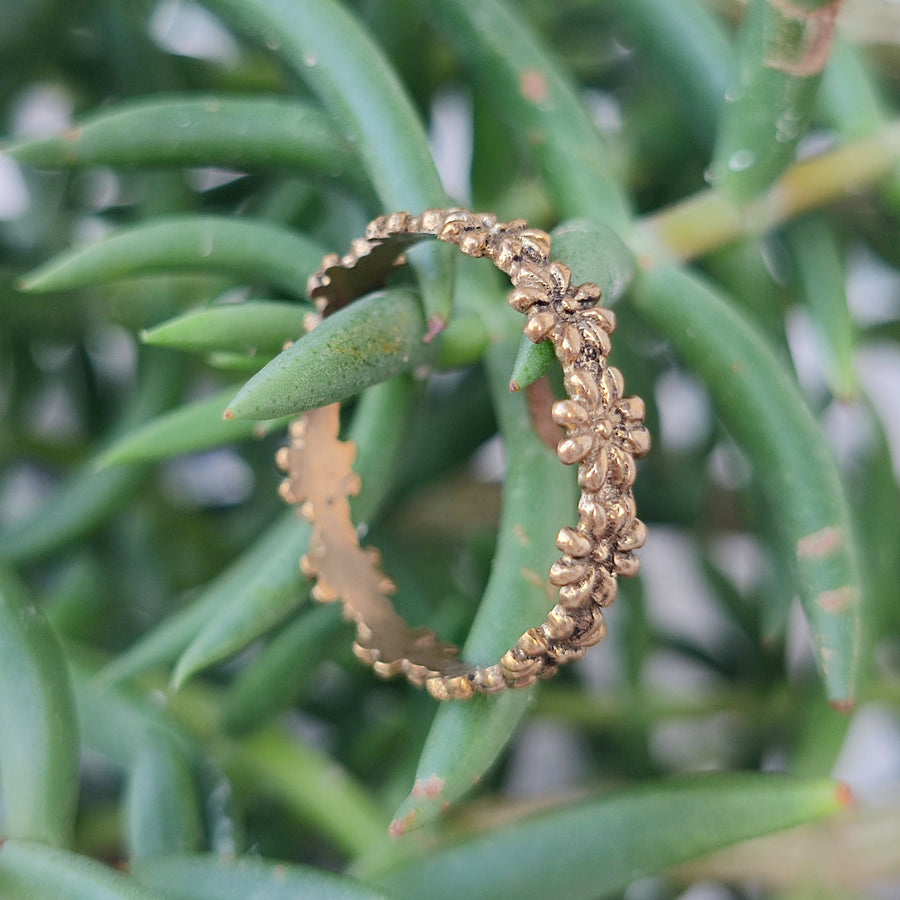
709 219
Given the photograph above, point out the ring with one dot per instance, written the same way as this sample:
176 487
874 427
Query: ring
605 434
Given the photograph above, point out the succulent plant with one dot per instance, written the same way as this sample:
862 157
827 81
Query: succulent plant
187 271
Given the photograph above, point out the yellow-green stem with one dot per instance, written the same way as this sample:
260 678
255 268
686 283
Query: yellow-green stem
708 220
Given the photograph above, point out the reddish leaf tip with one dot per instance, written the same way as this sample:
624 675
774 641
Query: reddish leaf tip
399 827
845 795
435 326
844 705
514 386
228 414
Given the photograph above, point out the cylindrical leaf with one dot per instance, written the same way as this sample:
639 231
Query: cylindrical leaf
364 343
817 258
782 50
115 722
30 870
233 132
532 362
162 809
327 47
684 44
84 501
761 406
277 676
848 96
253 327
250 250
314 787
595 849
187 429
530 91
213 878
39 743
253 600
252 575
88 498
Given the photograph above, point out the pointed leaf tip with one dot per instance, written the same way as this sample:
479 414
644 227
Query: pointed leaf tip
845 796
179 676
367 342
402 824
422 805
436 324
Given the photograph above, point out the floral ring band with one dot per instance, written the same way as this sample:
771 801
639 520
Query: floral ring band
605 434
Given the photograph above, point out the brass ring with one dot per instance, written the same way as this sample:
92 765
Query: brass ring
605 435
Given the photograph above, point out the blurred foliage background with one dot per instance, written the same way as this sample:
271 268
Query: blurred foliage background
175 714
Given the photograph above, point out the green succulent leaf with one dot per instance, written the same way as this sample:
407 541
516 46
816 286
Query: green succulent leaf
253 327
596 848
761 406
87 499
532 362
266 571
83 502
534 95
248 250
213 878
211 130
162 802
277 590
328 48
190 428
277 677
368 341
817 257
38 724
689 50
29 870
782 51
314 786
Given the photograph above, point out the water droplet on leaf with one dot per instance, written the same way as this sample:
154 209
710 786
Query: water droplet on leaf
741 160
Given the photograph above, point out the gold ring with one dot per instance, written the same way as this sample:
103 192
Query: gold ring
605 435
